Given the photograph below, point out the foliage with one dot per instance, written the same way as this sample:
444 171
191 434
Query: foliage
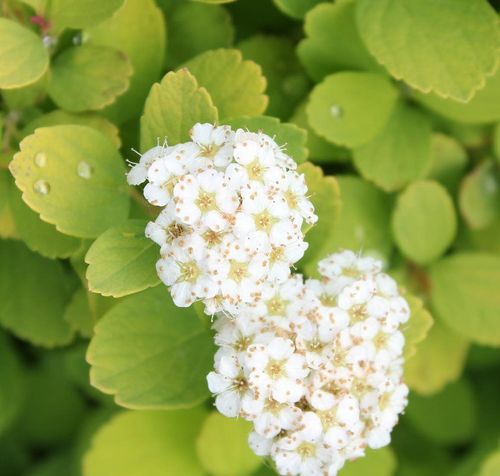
390 108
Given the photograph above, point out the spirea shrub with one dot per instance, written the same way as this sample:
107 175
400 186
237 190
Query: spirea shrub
249 238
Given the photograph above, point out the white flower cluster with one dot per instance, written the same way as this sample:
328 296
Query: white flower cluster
234 207
316 365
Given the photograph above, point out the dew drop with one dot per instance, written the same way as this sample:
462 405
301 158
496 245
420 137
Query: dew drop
336 111
84 170
42 187
40 159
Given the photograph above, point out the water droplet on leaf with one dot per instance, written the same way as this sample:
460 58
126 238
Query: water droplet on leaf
42 187
336 111
41 159
84 170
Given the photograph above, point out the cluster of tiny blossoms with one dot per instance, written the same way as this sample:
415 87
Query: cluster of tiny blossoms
232 217
316 365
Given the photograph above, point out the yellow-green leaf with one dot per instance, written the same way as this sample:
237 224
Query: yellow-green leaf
362 224
351 108
440 360
424 221
235 85
465 295
60 118
381 462
449 160
400 153
138 30
79 315
482 108
148 443
88 77
173 107
38 235
479 197
194 28
325 195
80 13
449 47
287 82
33 294
23 56
122 261
448 417
332 41
222 446
491 466
74 178
418 326
173 353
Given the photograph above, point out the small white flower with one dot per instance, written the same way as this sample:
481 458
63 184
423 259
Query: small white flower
228 382
276 371
323 362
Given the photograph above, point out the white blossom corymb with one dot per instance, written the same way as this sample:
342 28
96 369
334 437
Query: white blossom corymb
315 365
234 207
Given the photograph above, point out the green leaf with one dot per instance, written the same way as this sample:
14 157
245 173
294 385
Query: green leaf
173 107
7 225
60 118
148 443
381 462
325 195
482 108
122 261
417 328
332 41
213 2
319 149
362 225
38 235
289 136
465 297
424 221
26 96
287 83
88 77
235 85
80 13
351 108
194 28
12 384
496 142
491 466
400 153
479 198
440 360
172 353
420 43
222 446
74 178
54 407
23 57
78 314
138 30
485 240
296 8
448 417
33 294
449 160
